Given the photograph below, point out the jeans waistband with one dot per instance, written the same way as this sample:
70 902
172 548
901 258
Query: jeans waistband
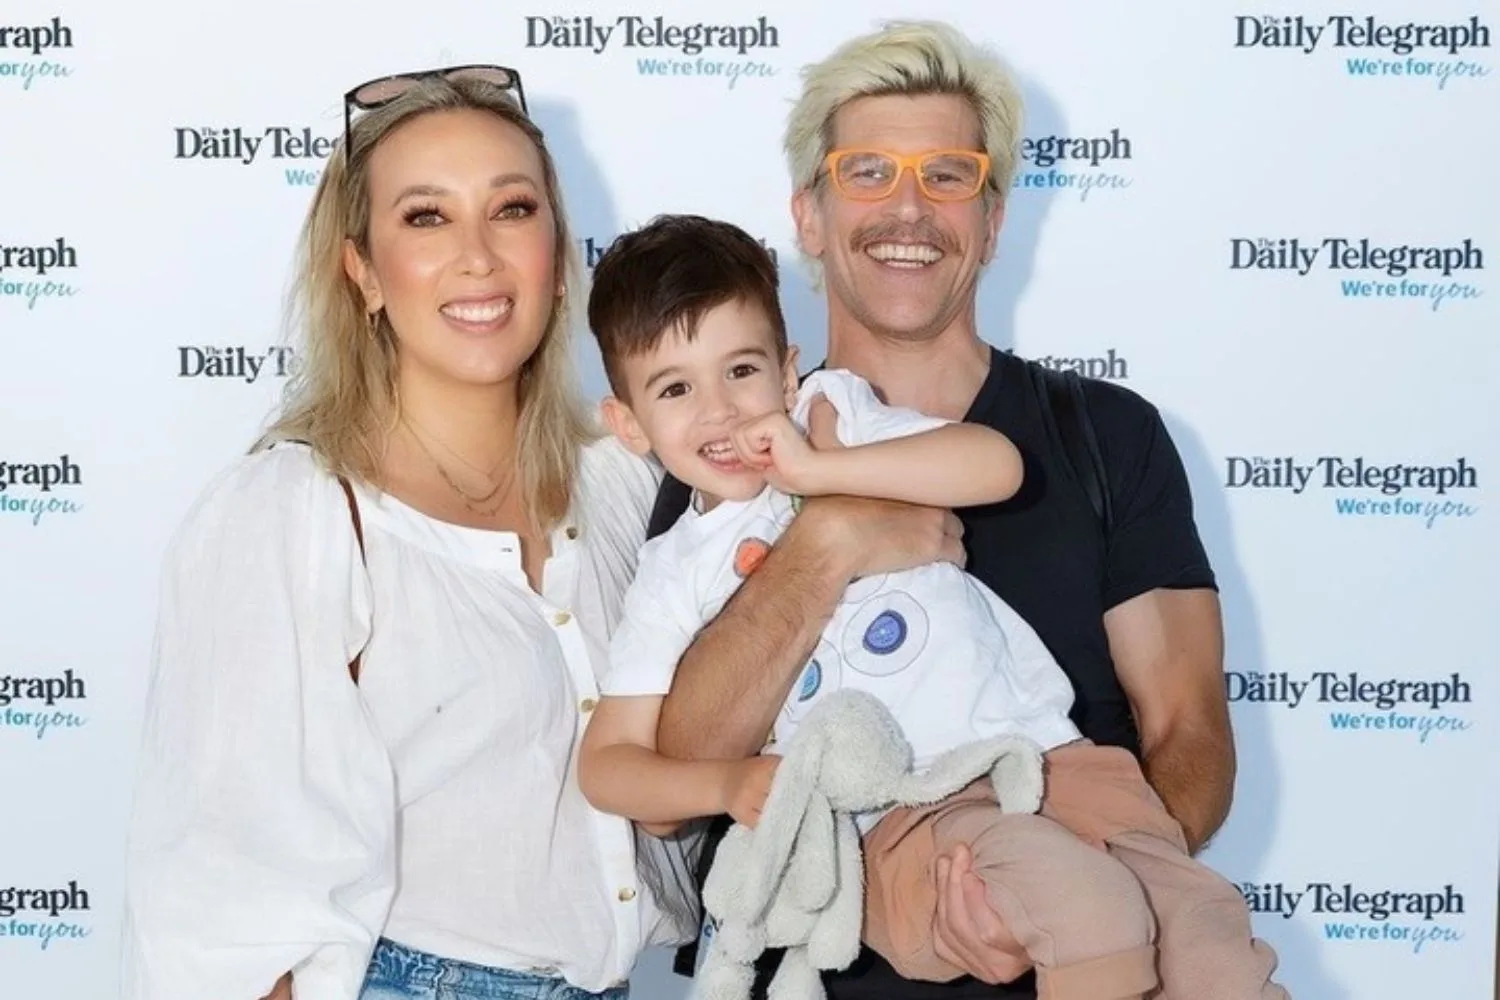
423 976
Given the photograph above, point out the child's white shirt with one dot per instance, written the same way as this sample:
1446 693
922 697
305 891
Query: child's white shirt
951 660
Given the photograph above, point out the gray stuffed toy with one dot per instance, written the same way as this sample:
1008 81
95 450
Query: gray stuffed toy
797 880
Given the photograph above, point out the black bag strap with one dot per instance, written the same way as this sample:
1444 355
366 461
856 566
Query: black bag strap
672 500
359 536
1066 413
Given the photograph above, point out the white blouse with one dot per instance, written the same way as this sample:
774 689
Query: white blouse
286 819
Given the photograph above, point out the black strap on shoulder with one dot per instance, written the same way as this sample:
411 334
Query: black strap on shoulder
672 499
359 536
1066 412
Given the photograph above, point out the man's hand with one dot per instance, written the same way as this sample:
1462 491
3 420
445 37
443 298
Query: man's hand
966 931
883 536
746 787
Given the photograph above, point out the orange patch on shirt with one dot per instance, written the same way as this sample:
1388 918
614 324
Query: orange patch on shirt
748 556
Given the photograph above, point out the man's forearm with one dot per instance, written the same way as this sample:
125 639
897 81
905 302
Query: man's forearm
1168 648
734 678
1193 772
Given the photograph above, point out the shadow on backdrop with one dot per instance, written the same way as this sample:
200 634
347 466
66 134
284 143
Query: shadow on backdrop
1026 210
591 214
1239 851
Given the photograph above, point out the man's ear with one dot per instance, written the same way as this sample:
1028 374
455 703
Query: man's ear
809 224
790 382
621 422
363 275
997 217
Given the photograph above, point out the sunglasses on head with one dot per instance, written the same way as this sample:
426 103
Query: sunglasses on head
383 90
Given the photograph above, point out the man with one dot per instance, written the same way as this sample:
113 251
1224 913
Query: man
1133 617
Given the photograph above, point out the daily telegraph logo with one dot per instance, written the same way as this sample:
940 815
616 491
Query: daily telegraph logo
1425 710
662 48
298 147
41 916
1409 916
42 705
1370 42
1365 269
33 273
1109 365
1365 488
27 51
36 491
1075 163
591 249
240 363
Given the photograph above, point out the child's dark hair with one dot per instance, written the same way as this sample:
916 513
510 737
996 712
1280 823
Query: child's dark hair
665 276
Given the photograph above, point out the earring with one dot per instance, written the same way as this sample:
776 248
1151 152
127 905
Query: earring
373 320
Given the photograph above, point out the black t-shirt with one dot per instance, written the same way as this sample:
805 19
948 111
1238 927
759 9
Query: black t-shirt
1044 552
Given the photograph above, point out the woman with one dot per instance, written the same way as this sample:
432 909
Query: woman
430 515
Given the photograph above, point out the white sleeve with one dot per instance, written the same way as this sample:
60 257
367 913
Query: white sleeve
862 417
655 629
616 493
263 832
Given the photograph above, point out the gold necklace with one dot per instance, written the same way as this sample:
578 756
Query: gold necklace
474 504
414 426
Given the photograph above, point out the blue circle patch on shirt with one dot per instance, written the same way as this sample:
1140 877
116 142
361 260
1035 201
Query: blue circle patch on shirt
886 633
812 680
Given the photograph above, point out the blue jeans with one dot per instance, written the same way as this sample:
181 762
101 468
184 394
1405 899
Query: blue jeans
400 973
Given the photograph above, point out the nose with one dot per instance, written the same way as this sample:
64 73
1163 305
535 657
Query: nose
478 256
717 405
908 201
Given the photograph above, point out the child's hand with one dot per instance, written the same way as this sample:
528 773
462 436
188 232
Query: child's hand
746 787
775 446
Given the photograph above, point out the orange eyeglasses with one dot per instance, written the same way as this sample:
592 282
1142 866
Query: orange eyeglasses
943 175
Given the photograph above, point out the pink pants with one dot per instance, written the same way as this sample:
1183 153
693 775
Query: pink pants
1098 890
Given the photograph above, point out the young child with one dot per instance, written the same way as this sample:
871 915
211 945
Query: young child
694 344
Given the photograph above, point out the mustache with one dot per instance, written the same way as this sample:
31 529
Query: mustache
893 231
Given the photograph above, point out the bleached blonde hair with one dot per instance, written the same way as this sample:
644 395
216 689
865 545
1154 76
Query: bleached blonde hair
910 58
342 401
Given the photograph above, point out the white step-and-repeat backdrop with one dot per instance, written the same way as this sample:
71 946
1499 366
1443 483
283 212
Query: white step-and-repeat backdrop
1278 223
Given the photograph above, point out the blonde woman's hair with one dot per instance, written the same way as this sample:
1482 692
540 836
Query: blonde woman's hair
342 401
910 58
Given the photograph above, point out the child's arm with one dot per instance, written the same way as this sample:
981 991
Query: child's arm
959 465
620 772
956 465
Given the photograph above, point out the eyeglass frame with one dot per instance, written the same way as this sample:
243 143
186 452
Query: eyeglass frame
351 103
905 162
